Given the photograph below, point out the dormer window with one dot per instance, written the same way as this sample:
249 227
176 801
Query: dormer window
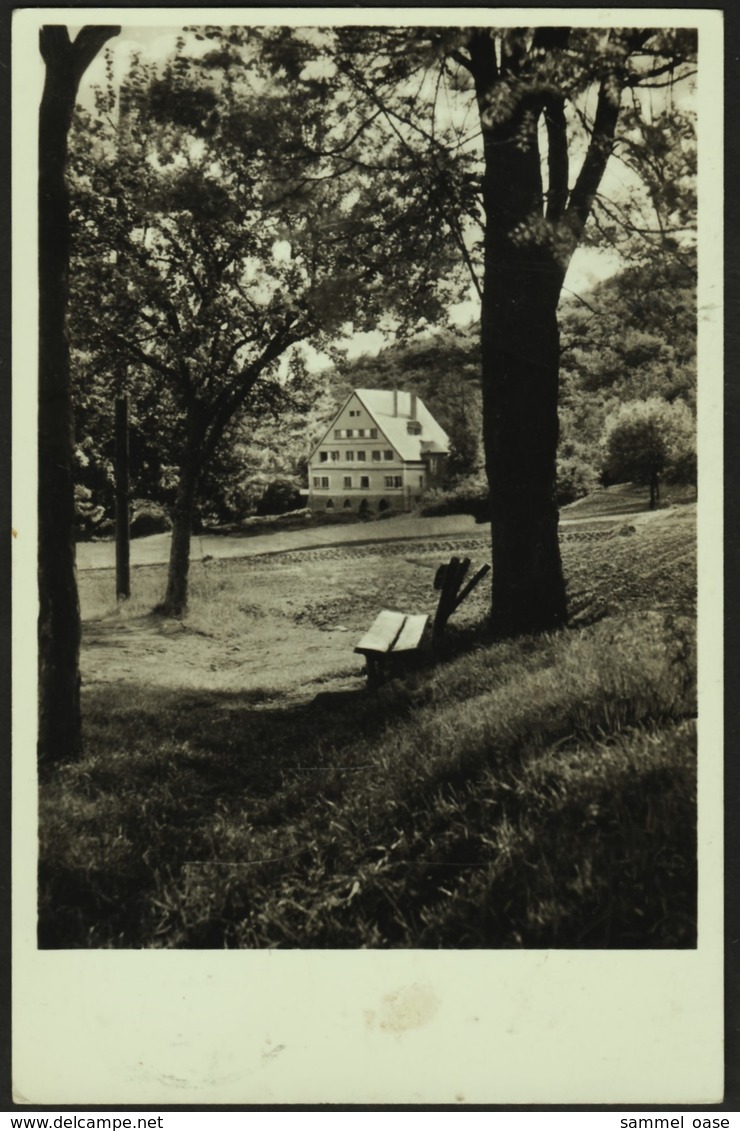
413 428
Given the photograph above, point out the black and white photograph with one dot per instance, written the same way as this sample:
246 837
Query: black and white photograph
378 378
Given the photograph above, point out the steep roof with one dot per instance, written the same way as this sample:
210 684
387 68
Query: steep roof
380 402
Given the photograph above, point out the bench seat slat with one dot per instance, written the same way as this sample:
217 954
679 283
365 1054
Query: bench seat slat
383 632
411 633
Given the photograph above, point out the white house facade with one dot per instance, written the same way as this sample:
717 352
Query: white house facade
381 452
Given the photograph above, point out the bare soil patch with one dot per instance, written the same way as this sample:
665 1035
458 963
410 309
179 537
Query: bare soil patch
284 625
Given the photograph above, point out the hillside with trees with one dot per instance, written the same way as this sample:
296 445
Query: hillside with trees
630 339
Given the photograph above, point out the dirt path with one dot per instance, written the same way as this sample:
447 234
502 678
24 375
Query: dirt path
275 626
281 626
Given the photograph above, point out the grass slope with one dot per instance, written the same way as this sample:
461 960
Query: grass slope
530 793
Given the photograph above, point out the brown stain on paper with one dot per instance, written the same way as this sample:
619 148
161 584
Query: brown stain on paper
408 1008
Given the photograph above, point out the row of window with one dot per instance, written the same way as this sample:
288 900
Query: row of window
349 457
413 427
388 481
355 433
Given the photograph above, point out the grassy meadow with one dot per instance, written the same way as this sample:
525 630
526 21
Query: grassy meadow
537 792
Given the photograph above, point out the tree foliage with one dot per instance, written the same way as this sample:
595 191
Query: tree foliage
222 219
631 338
645 441
368 155
551 106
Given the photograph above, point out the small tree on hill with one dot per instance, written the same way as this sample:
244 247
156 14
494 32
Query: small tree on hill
647 440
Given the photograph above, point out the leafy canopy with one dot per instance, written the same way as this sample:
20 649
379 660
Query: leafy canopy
647 439
223 212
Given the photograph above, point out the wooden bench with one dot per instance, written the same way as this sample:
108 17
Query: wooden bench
392 636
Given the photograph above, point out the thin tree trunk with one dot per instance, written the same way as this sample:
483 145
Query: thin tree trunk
123 505
176 596
60 733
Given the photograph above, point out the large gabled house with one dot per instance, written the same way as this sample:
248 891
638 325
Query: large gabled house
381 452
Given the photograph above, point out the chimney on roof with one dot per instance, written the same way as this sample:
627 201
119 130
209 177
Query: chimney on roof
412 413
395 402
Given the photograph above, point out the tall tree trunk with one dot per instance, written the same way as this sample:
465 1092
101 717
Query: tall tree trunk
59 615
176 596
520 359
520 364
530 236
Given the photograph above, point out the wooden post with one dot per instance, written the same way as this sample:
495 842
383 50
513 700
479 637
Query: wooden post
451 581
123 577
448 580
471 585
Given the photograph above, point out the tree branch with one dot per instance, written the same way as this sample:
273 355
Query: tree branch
597 155
54 43
484 67
637 79
602 138
582 301
234 396
513 51
87 44
460 58
57 50
663 85
141 355
557 157
452 223
551 38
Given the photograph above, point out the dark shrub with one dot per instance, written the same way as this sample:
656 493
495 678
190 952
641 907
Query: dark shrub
91 520
279 497
468 496
576 477
148 518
